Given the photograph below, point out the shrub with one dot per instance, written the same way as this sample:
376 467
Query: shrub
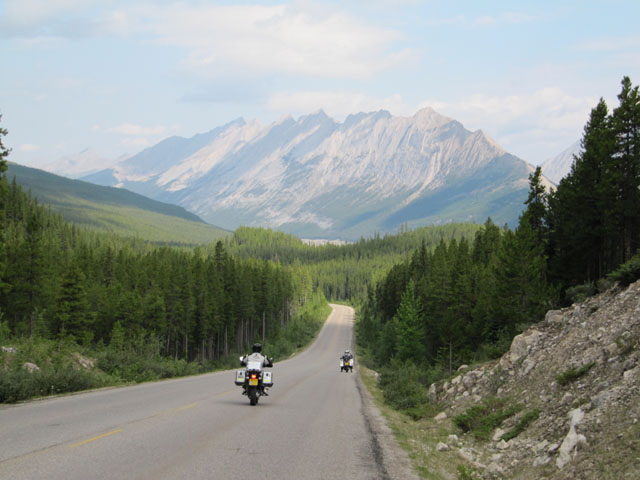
18 384
481 420
403 385
522 424
580 293
628 272
573 373
465 473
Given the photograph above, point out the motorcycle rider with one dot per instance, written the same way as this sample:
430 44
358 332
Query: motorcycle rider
256 356
346 356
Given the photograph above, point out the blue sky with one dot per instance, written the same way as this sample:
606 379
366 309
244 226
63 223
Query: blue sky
119 76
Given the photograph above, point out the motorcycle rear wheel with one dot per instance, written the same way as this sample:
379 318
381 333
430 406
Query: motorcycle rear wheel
253 395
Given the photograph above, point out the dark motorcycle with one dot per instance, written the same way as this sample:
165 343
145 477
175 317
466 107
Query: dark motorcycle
254 380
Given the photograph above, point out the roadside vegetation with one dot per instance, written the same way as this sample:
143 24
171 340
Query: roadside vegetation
35 366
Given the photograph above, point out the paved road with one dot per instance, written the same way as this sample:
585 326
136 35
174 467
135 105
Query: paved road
311 426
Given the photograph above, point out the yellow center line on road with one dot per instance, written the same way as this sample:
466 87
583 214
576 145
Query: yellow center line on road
84 442
191 405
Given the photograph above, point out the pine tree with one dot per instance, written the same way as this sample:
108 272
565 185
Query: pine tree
626 131
410 344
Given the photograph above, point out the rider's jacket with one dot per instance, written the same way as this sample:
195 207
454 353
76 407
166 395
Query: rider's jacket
256 357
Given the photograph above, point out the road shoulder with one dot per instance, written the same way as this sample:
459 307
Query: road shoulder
393 461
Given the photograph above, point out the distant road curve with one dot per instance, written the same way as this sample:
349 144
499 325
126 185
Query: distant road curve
316 423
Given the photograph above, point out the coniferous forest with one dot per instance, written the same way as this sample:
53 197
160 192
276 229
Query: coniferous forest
428 300
465 300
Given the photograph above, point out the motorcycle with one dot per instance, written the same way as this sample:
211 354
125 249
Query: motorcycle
254 380
346 364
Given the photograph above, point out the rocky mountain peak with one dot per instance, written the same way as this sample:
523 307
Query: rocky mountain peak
428 118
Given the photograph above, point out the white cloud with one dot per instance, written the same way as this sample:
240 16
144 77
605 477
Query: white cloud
302 38
31 12
130 129
305 39
28 147
336 104
611 44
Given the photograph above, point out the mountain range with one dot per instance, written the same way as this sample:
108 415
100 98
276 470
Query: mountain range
559 166
320 178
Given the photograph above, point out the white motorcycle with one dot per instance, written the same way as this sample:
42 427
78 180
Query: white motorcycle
254 379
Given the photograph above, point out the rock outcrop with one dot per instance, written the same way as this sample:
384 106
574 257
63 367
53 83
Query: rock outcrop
580 369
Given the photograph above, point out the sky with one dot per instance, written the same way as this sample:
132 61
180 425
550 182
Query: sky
119 76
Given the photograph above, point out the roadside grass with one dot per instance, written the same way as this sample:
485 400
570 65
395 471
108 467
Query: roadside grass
417 437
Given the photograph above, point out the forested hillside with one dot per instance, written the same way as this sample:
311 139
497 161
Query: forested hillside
114 210
344 272
129 300
465 301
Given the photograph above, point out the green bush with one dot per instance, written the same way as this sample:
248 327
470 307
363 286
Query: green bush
18 384
522 424
573 373
481 420
628 272
403 385
580 293
466 473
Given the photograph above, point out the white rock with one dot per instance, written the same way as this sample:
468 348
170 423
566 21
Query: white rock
571 440
453 439
433 392
522 344
442 447
466 454
502 445
541 460
9 349
32 367
456 380
527 366
553 316
441 416
497 434
631 375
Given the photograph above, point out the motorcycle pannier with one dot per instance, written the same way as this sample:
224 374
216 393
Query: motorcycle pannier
267 379
240 377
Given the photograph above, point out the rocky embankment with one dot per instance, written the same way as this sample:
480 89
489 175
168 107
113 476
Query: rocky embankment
576 376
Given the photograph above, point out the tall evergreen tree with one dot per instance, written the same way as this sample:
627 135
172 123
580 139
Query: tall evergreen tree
410 342
626 130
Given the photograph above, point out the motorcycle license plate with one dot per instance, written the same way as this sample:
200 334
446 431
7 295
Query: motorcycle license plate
253 381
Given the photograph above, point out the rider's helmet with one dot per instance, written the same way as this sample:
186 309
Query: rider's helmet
347 352
257 348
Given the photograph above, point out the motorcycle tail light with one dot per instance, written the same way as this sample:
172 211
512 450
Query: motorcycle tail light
253 376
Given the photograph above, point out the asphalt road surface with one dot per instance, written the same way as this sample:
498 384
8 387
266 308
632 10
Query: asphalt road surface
313 425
